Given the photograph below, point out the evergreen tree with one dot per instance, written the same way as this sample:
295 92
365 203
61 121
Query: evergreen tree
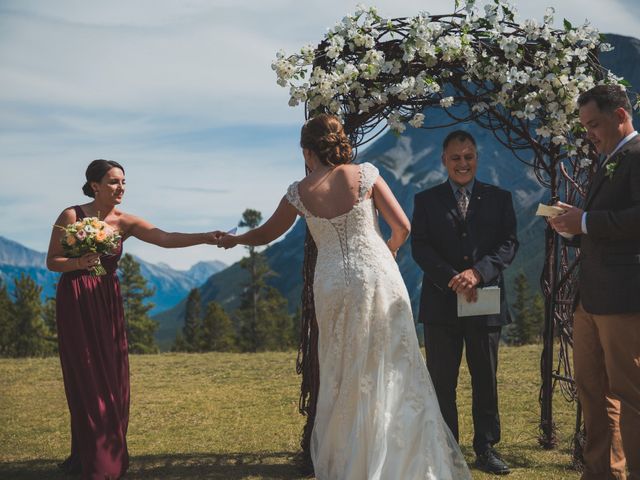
29 333
6 323
251 326
528 314
296 321
140 327
520 307
49 318
179 344
217 330
537 319
257 267
270 321
192 322
263 319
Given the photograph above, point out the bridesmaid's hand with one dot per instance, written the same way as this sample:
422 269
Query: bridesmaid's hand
87 261
227 241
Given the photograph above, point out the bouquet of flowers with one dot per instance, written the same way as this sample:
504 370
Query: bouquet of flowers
89 235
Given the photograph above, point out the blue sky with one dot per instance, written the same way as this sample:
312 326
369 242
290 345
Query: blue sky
182 94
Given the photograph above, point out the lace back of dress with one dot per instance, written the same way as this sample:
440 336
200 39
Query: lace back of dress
340 225
367 176
344 226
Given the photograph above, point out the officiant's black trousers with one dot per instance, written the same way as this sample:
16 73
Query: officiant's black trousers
444 345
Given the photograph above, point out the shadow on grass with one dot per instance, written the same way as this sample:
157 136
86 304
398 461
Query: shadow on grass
230 466
241 466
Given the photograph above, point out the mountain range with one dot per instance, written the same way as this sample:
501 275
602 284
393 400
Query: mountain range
170 285
410 163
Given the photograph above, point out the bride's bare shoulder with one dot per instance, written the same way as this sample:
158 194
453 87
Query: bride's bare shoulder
304 182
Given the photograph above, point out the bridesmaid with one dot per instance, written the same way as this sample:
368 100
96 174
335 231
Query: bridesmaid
91 327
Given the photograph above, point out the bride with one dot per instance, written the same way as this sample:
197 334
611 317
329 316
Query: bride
377 414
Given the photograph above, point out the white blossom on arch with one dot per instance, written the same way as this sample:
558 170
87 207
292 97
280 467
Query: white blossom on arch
372 67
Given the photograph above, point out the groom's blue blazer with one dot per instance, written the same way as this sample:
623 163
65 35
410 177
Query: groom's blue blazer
444 244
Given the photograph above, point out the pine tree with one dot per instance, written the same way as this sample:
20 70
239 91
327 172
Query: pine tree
29 335
517 331
536 316
6 323
179 345
140 327
269 326
255 263
217 330
256 266
528 314
192 322
251 325
49 319
296 321
263 319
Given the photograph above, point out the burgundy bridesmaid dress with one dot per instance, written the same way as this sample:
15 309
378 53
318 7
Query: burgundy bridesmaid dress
95 365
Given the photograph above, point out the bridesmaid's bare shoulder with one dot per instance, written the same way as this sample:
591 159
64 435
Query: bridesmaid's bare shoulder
67 216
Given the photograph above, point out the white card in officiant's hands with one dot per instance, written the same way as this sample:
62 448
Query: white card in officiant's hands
488 303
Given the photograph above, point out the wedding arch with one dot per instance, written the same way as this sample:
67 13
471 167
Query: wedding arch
519 80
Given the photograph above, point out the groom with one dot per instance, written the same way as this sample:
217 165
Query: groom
463 237
606 322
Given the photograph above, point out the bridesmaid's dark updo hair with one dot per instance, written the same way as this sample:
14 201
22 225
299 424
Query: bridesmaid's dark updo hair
324 135
95 171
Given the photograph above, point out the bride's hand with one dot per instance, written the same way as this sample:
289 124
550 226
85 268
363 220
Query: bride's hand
212 238
227 241
394 251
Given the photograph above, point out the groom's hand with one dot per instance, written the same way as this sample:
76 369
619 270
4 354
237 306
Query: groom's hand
568 222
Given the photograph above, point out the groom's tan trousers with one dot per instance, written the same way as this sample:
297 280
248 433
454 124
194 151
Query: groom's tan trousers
606 357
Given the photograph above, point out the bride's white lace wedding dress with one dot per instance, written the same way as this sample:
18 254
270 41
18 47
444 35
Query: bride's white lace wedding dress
377 415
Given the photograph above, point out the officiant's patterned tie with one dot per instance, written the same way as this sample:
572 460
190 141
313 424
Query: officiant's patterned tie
463 202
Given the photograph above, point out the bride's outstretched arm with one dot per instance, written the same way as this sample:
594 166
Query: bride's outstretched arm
278 223
392 212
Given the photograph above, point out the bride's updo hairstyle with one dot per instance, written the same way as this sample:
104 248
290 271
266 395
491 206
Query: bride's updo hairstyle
324 135
95 171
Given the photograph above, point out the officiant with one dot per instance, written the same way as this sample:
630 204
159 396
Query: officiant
463 237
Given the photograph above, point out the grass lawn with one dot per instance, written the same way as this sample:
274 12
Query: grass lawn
234 416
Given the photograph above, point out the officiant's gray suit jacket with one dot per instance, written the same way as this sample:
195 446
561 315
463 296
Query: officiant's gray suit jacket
444 244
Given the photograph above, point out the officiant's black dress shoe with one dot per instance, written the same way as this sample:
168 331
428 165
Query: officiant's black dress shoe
491 462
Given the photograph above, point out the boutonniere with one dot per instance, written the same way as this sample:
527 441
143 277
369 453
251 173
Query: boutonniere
610 169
